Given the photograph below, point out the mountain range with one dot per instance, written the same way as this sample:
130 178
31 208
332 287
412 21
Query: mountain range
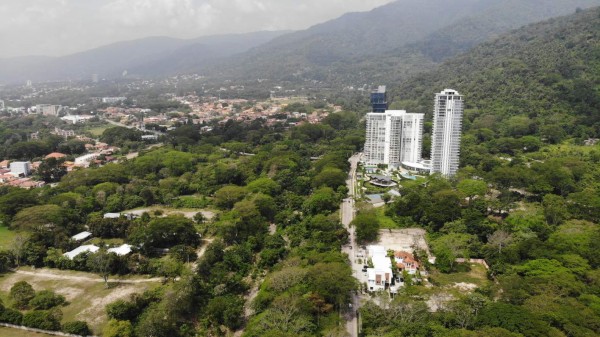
385 45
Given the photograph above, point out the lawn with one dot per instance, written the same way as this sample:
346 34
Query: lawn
98 130
8 332
86 298
473 273
385 222
6 236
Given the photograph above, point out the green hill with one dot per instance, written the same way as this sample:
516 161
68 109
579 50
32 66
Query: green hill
389 43
541 80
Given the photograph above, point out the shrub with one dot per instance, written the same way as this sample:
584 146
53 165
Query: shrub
43 319
77 328
21 293
11 316
46 299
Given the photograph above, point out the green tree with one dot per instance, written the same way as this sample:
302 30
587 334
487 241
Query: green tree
367 227
43 319
117 328
472 188
330 177
227 196
21 293
555 209
101 262
46 299
333 281
77 328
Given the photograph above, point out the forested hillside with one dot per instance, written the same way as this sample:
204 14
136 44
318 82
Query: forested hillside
389 43
541 80
527 196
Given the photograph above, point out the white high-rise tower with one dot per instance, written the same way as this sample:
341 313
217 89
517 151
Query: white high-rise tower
447 130
393 137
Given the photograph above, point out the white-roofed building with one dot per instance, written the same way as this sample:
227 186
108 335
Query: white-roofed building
81 249
380 276
81 236
122 250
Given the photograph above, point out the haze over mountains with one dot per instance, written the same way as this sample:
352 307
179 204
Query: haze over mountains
387 44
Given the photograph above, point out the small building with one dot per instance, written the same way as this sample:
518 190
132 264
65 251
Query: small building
81 249
423 167
382 181
112 215
4 164
85 160
81 236
20 168
122 250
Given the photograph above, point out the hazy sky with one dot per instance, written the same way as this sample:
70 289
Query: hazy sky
60 27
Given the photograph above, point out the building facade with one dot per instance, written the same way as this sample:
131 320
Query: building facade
447 130
392 137
379 99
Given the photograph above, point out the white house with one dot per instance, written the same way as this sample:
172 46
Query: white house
122 250
380 276
81 236
81 249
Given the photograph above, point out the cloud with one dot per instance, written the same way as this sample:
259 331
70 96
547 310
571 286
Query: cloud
60 27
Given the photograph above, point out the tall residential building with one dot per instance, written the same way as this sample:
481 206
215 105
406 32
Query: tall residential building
48 109
379 99
393 137
447 130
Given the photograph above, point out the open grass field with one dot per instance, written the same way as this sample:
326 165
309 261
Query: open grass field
385 222
8 332
86 293
6 236
472 274
98 130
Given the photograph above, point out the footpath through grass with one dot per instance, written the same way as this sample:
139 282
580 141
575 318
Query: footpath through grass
9 332
87 299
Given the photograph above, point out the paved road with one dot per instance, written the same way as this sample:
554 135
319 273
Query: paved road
347 214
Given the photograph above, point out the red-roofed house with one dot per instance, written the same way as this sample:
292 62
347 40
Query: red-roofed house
55 155
406 262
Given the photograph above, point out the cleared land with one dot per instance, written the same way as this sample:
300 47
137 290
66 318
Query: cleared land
187 212
86 293
403 239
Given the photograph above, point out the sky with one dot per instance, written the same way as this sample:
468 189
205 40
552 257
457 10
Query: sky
62 27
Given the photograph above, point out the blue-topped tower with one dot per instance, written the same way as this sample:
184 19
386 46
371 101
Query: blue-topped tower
379 99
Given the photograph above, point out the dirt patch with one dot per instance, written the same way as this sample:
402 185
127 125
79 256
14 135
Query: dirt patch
403 239
168 211
438 301
95 313
70 293
465 287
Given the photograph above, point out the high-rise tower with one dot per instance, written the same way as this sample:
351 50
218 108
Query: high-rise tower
447 130
393 137
379 99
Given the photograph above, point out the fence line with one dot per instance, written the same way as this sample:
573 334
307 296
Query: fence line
48 332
